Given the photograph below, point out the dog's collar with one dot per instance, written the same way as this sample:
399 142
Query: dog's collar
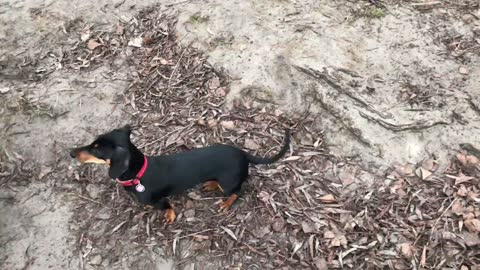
136 180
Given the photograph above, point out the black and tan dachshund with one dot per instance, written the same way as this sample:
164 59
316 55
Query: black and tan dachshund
152 179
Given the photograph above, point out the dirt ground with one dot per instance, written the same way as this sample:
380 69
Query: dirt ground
383 97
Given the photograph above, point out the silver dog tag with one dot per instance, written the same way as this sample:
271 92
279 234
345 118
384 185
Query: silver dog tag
140 188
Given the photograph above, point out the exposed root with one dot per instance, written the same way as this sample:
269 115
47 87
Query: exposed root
335 83
419 125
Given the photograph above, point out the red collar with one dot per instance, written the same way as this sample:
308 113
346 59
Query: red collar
136 180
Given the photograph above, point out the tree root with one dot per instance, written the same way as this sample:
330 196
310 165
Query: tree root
336 84
419 125
475 107
344 120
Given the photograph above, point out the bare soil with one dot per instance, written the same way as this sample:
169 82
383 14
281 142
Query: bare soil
382 96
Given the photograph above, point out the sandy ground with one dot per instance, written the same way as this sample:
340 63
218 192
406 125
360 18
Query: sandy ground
391 87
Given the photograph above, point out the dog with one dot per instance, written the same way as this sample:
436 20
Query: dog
153 178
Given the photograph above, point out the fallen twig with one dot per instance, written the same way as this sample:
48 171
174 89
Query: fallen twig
85 198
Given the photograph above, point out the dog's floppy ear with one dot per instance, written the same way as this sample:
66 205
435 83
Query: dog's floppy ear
119 162
127 128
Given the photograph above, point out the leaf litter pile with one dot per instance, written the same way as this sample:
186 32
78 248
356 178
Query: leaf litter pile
312 210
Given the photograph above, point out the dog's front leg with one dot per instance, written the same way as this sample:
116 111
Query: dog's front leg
164 205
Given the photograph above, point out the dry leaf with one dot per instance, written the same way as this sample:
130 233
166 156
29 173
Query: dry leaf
190 213
212 122
346 177
429 165
148 40
320 263
260 232
306 139
213 83
136 42
406 249
424 174
278 224
4 90
311 153
329 198
200 237
307 228
423 260
407 170
292 158
292 221
189 204
228 125
118 226
202 122
473 225
172 139
174 245
92 44
251 144
85 35
165 62
461 178
449 236
474 197
44 170
470 239
278 112
468 214
329 234
397 186
463 70
229 232
162 61
119 30
457 208
317 143
311 246
462 191
221 91
339 240
194 195
296 247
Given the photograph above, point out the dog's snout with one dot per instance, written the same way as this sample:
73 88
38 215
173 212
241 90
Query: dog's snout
73 153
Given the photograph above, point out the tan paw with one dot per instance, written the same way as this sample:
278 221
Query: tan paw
225 206
210 186
170 216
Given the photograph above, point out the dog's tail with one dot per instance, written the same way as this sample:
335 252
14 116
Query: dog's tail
269 160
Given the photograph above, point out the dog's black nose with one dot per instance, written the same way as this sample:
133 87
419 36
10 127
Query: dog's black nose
73 153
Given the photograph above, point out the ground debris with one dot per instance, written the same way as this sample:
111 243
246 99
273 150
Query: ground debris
292 213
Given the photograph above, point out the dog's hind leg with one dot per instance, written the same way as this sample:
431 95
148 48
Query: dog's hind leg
211 186
231 189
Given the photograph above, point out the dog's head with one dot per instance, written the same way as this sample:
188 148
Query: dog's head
111 148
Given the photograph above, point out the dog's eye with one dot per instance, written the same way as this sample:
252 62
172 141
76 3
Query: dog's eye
95 145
